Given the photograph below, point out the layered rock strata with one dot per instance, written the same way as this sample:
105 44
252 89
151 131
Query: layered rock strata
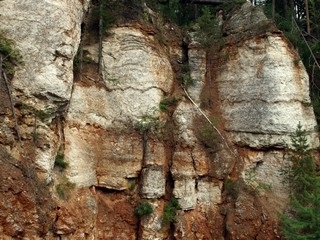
135 134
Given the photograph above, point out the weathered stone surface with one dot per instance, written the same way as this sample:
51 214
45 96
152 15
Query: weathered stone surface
153 182
48 38
263 172
119 160
198 68
68 225
264 92
105 158
151 225
182 164
184 116
202 223
47 145
116 109
131 60
201 161
208 192
26 207
136 74
184 190
249 21
222 163
115 219
80 155
244 221
155 153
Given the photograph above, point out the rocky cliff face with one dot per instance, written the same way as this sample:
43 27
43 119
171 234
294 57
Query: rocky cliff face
135 134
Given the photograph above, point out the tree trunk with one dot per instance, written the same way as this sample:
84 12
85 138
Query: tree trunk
273 8
100 41
285 7
291 5
307 16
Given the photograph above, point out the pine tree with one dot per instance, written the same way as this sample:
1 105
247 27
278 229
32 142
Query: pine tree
303 221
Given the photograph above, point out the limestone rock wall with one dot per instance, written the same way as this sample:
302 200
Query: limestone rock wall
264 91
134 134
47 34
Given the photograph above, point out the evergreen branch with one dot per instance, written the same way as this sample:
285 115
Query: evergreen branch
306 42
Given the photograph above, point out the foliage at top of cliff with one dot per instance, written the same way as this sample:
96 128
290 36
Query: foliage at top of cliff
182 14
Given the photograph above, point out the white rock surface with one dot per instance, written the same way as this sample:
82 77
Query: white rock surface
136 75
208 192
263 171
153 182
103 158
47 34
184 190
265 94
182 164
184 116
198 68
131 60
80 155
119 108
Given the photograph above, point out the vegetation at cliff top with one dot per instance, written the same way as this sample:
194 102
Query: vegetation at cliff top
185 13
302 221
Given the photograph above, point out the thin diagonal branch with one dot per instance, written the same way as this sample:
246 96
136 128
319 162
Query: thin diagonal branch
3 74
210 122
306 42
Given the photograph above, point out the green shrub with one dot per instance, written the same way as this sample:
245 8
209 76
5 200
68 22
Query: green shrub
59 161
208 32
108 16
142 209
303 221
229 6
148 123
43 115
7 50
170 211
205 132
264 186
167 102
184 77
11 56
231 187
64 188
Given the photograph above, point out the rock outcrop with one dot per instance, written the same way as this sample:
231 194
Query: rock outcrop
269 95
47 36
27 208
133 133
